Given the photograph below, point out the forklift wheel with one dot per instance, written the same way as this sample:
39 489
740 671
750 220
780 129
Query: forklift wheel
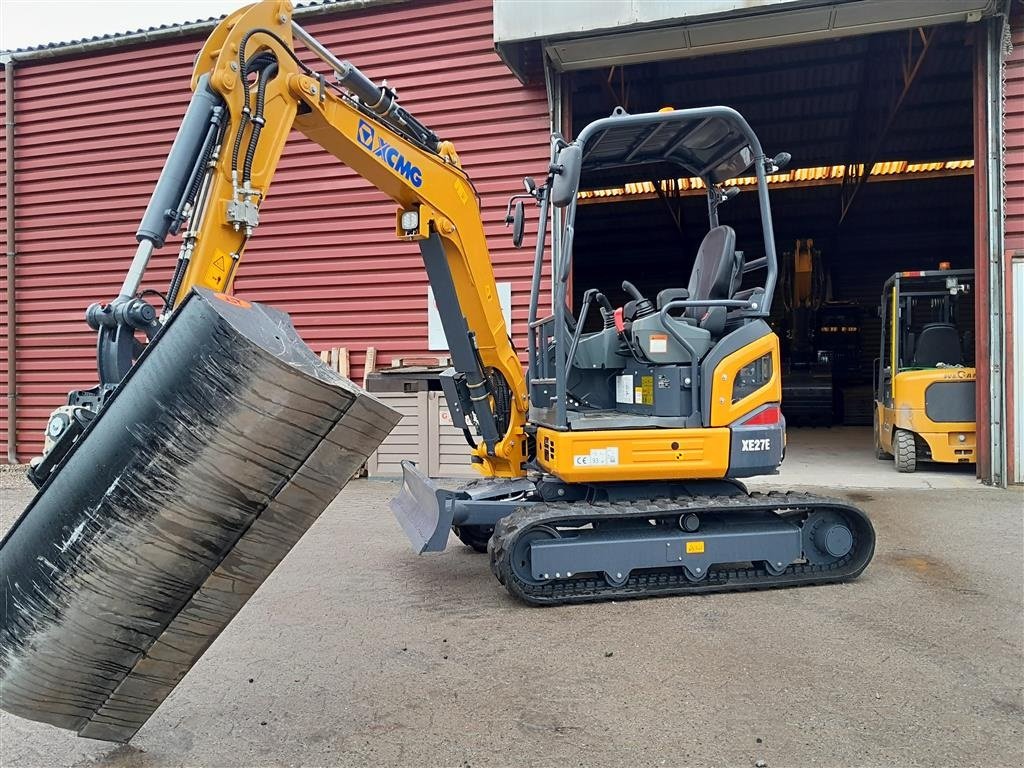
904 451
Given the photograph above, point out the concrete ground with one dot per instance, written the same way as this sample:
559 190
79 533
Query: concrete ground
355 652
843 457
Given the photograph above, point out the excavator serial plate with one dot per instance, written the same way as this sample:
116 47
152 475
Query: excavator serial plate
222 446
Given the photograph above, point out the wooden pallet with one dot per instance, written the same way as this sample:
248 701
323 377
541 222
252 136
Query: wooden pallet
336 358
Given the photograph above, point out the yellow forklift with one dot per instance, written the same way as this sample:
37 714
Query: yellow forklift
924 376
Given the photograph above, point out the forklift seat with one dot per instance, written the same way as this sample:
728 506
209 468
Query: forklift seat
937 343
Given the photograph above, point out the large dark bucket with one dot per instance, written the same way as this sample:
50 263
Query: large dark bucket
222 446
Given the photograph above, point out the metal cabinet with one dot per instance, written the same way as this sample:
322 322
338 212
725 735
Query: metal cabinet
424 435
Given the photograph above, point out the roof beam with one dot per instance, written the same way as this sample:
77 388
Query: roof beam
590 108
620 97
673 203
911 57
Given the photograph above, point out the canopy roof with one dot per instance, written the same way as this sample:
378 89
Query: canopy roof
714 143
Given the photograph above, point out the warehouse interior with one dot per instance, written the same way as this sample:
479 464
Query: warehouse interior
899 103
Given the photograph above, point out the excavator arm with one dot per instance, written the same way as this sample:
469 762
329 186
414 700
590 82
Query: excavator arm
250 89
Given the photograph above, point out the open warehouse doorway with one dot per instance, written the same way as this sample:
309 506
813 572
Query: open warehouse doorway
881 132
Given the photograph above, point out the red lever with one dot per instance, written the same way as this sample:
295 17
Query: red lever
620 324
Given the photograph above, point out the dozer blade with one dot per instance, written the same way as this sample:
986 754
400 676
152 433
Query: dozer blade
220 448
424 510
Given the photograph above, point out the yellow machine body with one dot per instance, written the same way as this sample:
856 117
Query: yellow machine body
948 442
602 456
691 453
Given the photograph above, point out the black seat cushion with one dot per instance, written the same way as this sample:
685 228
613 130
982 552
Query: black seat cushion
937 343
717 271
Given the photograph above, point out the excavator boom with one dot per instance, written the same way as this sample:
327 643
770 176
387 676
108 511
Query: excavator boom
250 89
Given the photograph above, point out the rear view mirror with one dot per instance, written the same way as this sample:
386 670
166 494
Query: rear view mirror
566 175
518 224
779 162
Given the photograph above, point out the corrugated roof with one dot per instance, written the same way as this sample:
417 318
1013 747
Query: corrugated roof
163 31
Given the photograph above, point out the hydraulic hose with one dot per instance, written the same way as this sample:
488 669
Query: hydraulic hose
176 280
202 172
243 121
214 136
257 62
265 76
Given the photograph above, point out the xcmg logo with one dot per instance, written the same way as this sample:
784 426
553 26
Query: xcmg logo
391 157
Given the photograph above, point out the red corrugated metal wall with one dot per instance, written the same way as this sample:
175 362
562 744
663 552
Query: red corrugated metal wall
92 135
1013 150
4 344
1014 136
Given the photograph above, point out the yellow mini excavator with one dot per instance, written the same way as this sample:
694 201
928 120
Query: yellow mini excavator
215 437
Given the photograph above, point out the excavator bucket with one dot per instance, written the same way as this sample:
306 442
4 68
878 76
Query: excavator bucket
222 446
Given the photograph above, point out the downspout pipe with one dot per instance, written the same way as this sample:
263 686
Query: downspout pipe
996 40
12 371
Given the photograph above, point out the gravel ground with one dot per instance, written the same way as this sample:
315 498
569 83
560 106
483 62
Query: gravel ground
355 652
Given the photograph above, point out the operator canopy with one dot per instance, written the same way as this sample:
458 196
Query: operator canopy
713 143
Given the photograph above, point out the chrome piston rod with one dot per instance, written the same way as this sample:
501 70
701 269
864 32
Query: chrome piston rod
133 279
381 101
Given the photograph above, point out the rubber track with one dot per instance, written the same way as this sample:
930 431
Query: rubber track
665 582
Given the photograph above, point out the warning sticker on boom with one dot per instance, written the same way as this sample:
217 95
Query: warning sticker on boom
598 457
217 272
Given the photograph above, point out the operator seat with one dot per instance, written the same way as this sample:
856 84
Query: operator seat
717 273
937 343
